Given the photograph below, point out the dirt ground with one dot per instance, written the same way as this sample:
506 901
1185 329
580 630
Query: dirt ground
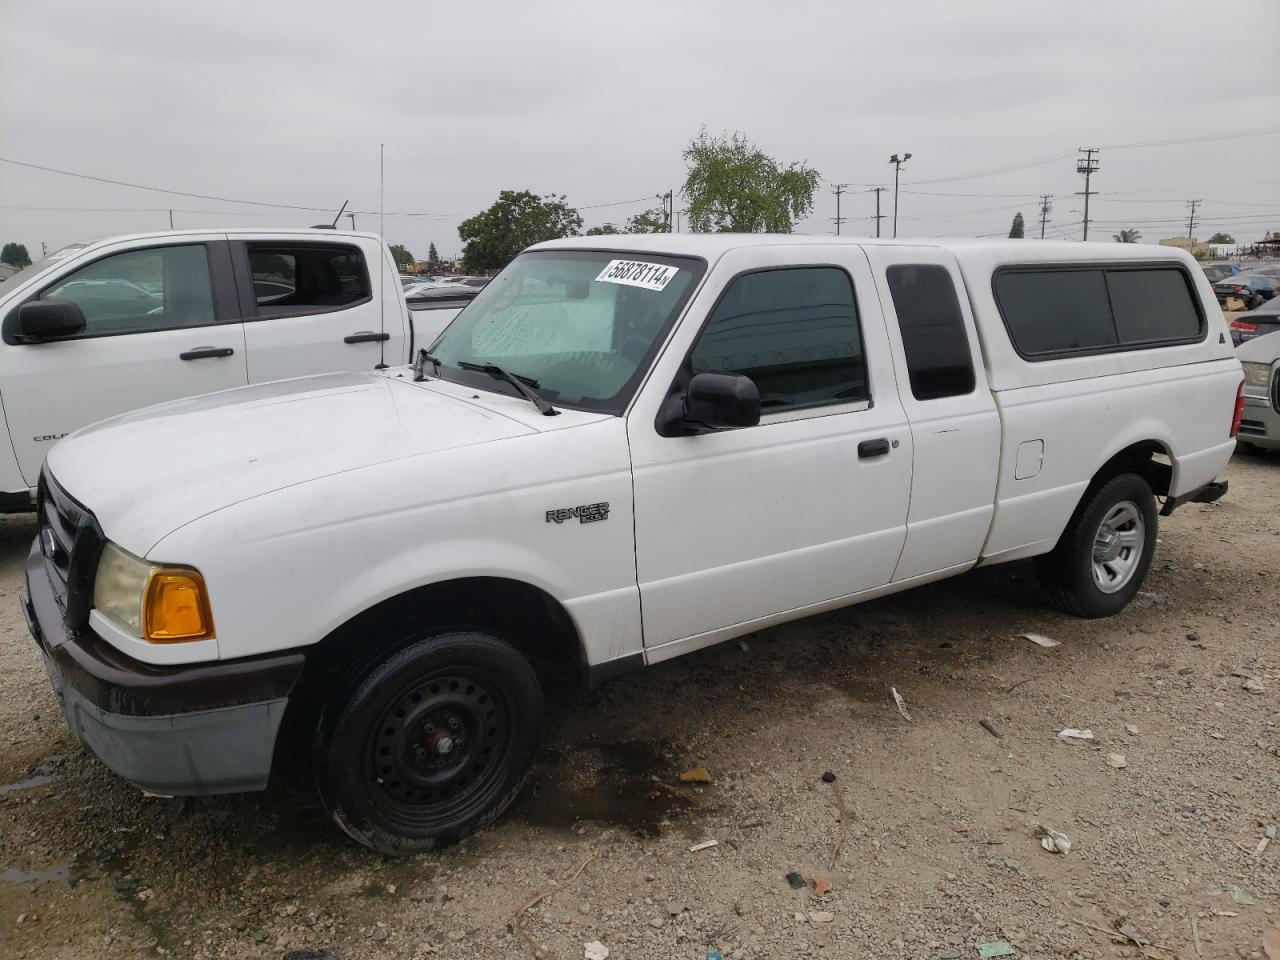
939 854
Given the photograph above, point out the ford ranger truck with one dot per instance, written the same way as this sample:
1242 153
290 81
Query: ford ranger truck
102 328
623 450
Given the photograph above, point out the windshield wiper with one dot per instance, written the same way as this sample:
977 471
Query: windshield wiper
419 371
524 385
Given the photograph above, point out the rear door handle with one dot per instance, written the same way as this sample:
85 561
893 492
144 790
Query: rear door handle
366 336
873 448
206 353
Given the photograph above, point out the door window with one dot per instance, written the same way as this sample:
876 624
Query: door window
939 362
294 279
159 288
794 332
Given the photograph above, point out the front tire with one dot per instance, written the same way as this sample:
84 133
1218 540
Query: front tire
1103 556
431 744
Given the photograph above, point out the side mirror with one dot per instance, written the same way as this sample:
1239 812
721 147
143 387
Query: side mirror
717 401
40 320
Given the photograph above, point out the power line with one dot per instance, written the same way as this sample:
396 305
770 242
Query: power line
1206 138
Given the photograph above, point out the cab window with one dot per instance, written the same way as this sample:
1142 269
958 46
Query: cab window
291 279
159 288
794 332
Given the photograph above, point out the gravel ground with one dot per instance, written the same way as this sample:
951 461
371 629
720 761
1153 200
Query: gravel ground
938 852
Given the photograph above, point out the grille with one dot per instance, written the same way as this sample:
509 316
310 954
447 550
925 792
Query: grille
1253 428
71 542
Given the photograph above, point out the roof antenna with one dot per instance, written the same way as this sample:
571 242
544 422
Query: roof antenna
382 271
334 225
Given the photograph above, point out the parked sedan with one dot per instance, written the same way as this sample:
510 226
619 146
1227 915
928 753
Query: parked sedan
1252 288
1260 425
1219 271
1255 323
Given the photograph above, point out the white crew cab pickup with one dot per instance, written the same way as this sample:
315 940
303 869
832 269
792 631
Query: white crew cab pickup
623 450
101 328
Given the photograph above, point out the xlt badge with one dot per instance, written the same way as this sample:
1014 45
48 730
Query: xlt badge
586 513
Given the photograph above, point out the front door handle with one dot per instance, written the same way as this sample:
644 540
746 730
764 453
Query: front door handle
366 336
873 448
206 353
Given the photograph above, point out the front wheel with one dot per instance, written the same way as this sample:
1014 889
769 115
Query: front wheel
1099 564
431 744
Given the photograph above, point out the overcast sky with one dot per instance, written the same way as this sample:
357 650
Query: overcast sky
284 102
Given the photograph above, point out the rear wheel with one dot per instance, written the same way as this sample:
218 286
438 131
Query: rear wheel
1099 564
431 744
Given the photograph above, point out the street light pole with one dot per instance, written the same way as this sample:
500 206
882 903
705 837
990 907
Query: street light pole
897 168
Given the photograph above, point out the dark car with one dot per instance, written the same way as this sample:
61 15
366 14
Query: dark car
1255 323
1219 271
1252 288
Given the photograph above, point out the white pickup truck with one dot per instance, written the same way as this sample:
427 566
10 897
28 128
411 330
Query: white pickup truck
623 450
105 327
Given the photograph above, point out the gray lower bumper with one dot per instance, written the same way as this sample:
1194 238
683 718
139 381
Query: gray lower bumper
1261 424
226 750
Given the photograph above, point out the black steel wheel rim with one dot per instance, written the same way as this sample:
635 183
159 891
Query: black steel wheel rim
438 752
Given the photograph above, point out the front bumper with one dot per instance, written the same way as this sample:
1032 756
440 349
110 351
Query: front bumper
1260 424
189 730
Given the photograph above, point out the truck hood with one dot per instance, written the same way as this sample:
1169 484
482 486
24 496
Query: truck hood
148 472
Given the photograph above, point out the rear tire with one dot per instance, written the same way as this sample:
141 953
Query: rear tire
430 744
1103 556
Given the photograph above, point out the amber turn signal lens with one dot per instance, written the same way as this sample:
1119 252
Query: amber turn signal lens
177 607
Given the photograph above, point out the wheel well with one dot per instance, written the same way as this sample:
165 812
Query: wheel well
525 616
1150 459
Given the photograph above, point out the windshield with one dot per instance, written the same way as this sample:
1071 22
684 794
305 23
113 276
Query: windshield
582 324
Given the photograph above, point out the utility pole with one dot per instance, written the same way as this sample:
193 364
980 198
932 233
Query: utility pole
353 221
1191 220
1046 205
879 215
44 249
1088 165
838 189
667 205
170 219
897 168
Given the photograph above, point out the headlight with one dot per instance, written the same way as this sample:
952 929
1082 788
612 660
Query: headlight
155 603
1257 374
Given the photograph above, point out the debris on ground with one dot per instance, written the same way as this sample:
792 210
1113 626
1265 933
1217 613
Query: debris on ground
595 950
821 916
821 885
1267 836
842 815
518 917
828 777
1130 932
1053 841
990 727
796 881
704 845
1131 729
1040 640
696 775
309 954
1253 685
1073 733
1117 761
1244 895
902 704
998 948
714 954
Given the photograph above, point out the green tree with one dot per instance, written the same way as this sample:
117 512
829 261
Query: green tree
403 258
650 221
1127 236
1222 238
433 258
604 230
733 187
1018 230
518 218
15 255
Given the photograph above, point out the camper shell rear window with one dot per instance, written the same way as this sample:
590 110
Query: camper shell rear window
1078 309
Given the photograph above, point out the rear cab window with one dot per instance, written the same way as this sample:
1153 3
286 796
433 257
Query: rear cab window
1057 310
939 360
292 279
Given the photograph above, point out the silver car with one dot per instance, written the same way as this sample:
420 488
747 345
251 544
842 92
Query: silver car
1260 426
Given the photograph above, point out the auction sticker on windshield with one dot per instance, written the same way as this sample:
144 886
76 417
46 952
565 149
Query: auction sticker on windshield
637 273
